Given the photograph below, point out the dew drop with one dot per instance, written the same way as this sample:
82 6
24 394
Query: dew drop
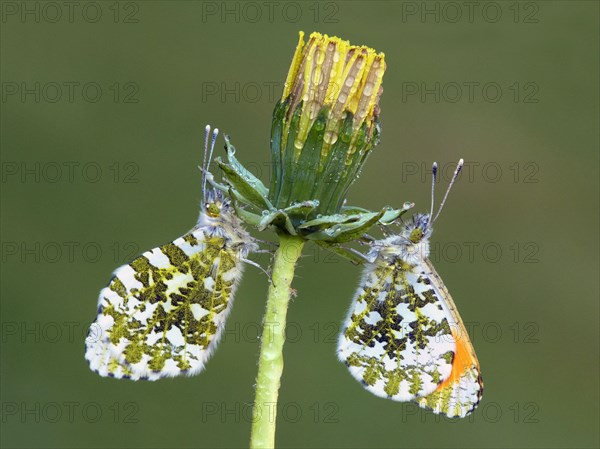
330 137
320 57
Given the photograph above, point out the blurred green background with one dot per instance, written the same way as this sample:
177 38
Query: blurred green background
103 110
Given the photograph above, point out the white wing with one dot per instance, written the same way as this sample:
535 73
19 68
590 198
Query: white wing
458 395
401 339
163 314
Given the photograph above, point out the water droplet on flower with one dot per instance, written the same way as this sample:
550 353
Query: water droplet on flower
330 137
320 57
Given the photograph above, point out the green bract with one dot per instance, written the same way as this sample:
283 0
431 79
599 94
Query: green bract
252 202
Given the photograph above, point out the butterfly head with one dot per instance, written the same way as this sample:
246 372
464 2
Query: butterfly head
411 244
417 229
216 208
215 205
217 214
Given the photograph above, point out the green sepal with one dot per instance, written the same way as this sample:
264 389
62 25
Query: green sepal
279 219
301 210
247 190
363 146
288 170
351 215
392 215
334 171
211 180
345 232
327 221
307 166
388 217
254 182
353 210
285 218
247 217
276 136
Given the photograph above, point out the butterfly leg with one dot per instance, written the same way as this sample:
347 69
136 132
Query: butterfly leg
251 262
354 256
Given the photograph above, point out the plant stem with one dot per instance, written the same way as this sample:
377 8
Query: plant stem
270 363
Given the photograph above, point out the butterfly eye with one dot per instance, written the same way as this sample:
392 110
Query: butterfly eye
416 235
213 210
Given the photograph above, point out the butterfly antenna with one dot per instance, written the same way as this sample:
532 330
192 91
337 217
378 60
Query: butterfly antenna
204 167
456 172
208 152
212 145
433 178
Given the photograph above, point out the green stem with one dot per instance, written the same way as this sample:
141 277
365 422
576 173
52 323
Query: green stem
270 363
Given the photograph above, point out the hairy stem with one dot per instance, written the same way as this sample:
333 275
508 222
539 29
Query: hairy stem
270 363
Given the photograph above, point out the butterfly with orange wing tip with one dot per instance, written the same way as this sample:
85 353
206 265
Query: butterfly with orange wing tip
403 338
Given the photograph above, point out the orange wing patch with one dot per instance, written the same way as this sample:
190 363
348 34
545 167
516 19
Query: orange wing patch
459 394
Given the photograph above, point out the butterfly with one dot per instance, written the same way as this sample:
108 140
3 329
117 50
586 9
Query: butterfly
403 338
163 313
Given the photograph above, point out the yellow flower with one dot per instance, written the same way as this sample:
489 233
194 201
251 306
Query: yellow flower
323 129
329 108
329 72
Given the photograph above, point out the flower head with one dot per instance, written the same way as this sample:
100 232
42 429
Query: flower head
323 129
326 122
